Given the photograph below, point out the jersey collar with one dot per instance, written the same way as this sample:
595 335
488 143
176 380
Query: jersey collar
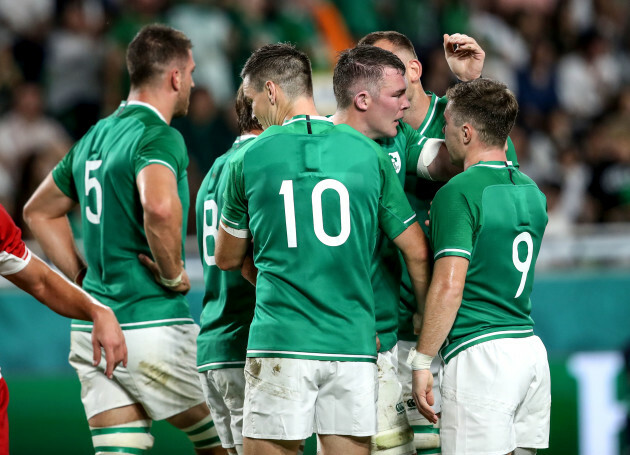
302 118
494 164
147 105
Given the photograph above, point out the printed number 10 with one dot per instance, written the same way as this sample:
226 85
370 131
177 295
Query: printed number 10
286 190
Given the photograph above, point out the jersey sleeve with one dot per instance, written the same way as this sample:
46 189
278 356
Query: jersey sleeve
451 223
62 175
162 145
421 151
14 255
234 215
394 212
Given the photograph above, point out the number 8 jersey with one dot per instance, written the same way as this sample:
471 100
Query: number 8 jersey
495 216
313 196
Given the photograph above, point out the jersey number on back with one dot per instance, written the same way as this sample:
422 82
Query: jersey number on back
523 266
211 211
92 184
286 190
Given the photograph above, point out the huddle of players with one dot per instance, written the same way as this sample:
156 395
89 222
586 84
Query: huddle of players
309 209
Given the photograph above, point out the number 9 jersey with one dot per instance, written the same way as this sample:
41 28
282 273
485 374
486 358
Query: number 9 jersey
495 216
313 196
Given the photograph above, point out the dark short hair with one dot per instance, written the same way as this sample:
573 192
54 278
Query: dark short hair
154 47
486 104
283 64
397 39
244 115
362 68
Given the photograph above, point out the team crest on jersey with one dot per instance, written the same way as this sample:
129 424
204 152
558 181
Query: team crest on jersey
396 161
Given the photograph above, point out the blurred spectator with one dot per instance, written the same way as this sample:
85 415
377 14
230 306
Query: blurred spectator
74 66
209 29
27 135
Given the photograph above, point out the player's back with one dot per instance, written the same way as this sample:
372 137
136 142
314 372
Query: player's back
313 202
100 172
508 219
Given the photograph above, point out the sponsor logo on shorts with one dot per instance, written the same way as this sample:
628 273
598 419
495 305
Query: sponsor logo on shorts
400 408
411 404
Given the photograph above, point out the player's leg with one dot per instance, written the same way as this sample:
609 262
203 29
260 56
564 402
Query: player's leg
395 436
345 415
532 418
198 425
279 408
121 430
224 390
426 434
4 419
352 445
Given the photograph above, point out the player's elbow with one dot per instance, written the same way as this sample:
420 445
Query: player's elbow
227 261
160 210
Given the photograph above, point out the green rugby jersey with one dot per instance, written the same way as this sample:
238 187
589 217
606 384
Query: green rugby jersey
228 302
100 173
495 216
420 193
313 196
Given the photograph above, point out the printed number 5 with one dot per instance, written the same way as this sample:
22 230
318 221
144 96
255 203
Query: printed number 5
92 183
524 266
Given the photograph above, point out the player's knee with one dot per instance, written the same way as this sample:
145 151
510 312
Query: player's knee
132 437
522 451
426 434
394 441
203 434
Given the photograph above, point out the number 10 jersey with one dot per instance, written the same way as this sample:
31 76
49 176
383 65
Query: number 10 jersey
313 196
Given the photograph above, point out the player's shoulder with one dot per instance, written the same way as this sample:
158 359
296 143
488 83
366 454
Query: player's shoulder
345 132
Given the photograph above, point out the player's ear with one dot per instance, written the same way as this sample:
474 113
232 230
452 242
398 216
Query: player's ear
176 79
467 132
414 70
362 100
271 91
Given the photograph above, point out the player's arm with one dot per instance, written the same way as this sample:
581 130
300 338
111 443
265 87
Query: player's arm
441 306
157 187
45 214
428 158
70 301
231 249
412 243
464 56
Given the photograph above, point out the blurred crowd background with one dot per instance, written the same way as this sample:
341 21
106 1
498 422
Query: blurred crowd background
568 61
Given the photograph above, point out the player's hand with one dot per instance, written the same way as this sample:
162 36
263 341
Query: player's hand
183 286
107 334
422 392
464 56
427 222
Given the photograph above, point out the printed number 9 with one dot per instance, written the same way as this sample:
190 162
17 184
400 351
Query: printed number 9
524 266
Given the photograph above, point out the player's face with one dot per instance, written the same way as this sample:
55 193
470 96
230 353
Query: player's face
387 108
452 138
261 108
187 83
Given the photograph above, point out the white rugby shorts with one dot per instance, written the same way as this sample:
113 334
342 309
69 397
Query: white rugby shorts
161 372
496 396
288 399
225 392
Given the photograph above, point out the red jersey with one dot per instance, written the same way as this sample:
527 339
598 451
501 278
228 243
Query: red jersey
14 255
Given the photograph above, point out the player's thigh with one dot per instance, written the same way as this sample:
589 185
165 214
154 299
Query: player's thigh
4 418
532 417
481 389
280 396
346 400
224 390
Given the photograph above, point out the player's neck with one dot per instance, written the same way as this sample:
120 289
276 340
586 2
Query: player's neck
301 106
164 105
354 119
417 112
483 153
